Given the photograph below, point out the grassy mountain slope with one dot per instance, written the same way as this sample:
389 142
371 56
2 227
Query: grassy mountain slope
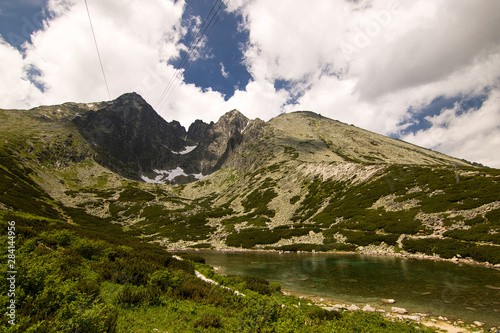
309 137
80 273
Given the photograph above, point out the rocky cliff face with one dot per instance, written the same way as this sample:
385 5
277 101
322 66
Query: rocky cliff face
217 141
130 138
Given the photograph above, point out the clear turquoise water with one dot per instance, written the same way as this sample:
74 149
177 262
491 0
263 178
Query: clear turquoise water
438 288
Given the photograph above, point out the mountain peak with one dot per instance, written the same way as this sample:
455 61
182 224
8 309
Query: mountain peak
233 116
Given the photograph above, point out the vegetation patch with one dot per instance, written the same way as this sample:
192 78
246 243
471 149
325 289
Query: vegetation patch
449 248
132 194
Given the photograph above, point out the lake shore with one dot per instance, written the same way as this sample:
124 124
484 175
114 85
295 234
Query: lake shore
394 313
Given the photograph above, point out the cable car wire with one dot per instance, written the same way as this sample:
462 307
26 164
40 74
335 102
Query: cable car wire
97 48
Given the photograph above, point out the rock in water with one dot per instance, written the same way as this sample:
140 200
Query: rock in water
388 301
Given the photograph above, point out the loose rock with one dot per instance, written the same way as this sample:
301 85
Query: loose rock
399 310
353 308
369 308
388 301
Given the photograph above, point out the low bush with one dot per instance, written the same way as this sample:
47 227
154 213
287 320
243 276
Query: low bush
209 321
132 194
449 248
323 314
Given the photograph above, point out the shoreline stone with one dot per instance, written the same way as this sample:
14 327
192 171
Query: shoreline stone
399 310
369 308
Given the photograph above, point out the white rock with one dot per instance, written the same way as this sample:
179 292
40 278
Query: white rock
478 324
353 308
330 308
409 317
399 310
369 308
389 301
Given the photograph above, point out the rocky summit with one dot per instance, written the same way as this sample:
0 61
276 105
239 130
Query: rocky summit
299 182
130 138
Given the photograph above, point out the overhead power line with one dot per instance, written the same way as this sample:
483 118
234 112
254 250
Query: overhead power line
186 59
183 60
97 48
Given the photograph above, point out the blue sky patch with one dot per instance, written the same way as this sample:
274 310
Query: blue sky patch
418 120
19 21
220 62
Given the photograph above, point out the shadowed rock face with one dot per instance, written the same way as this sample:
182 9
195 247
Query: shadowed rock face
216 142
130 138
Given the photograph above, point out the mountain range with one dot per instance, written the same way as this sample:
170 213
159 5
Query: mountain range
300 181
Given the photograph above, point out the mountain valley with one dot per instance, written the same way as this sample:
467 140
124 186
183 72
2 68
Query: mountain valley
298 182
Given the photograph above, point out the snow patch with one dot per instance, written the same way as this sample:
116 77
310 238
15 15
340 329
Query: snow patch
168 175
186 150
243 130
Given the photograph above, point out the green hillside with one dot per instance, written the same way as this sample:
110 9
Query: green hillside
80 273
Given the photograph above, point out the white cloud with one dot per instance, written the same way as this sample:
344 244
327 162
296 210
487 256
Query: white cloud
16 91
223 71
428 46
472 135
134 41
258 100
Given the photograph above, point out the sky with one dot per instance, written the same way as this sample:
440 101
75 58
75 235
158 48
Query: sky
423 71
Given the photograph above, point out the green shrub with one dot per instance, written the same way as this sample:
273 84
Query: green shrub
323 314
449 248
64 237
494 217
209 321
248 238
294 199
131 295
87 248
253 283
161 279
132 194
191 256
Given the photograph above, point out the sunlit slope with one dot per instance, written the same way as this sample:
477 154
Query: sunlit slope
309 137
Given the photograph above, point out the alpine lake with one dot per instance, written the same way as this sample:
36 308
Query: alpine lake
438 288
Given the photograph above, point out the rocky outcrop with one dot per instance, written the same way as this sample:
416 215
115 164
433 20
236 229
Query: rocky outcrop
216 142
130 138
